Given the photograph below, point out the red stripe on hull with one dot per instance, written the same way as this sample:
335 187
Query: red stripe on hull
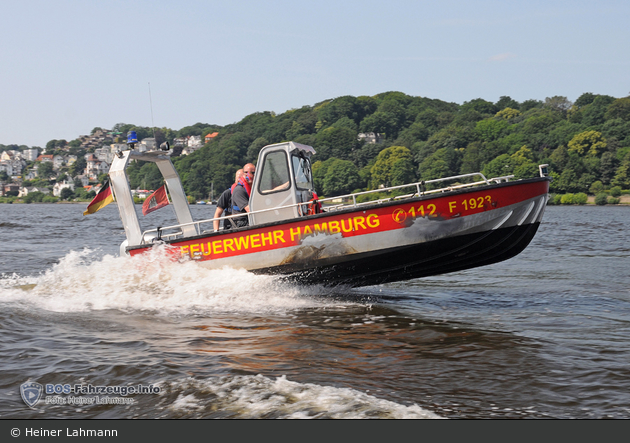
356 222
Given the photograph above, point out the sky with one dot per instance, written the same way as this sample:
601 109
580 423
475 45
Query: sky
69 66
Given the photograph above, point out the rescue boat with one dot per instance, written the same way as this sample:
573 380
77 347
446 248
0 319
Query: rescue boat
421 229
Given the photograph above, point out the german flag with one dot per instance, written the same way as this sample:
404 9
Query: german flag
102 199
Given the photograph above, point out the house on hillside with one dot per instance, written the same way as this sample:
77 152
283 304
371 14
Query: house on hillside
12 167
115 147
58 162
193 143
30 154
95 140
146 144
24 191
371 137
6 166
209 137
63 185
6 156
95 167
83 179
45 158
30 175
9 187
104 154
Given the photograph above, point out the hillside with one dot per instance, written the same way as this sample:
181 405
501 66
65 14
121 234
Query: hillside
391 138
586 143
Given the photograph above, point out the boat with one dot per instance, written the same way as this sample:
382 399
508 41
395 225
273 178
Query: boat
417 230
201 202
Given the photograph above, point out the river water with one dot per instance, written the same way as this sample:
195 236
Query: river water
543 335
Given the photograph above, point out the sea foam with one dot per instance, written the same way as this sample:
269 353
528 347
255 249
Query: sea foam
85 280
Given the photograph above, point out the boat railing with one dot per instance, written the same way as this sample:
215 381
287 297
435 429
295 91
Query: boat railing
161 233
420 190
175 231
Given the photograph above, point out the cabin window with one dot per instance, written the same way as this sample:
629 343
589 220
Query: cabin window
275 173
302 172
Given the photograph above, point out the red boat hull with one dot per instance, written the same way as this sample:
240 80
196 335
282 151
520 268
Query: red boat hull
385 242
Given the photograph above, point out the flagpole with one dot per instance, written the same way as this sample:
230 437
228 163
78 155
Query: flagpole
166 189
151 104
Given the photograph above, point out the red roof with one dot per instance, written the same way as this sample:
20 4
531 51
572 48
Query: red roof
214 134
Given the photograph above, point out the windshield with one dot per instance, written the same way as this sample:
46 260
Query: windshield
275 173
302 172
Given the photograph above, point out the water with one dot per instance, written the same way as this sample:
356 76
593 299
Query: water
543 335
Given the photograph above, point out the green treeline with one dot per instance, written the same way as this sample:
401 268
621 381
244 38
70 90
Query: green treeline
586 143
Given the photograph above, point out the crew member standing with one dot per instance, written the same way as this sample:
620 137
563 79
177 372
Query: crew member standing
224 205
241 193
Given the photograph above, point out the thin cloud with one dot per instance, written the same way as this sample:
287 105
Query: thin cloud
501 57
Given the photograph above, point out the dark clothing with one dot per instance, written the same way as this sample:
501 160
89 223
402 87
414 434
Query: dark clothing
240 199
225 203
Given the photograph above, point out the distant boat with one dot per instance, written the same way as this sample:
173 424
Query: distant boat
201 202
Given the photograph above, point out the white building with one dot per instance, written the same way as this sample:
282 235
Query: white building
24 191
193 144
58 162
5 166
194 141
147 144
95 167
83 179
12 167
104 154
115 147
30 175
370 137
30 154
63 185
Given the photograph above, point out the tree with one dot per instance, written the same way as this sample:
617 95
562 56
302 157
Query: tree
442 163
342 177
558 103
491 129
596 188
506 101
608 167
620 108
66 193
34 197
622 177
78 167
382 171
585 99
595 113
254 149
414 133
508 113
402 172
45 170
482 106
601 199
587 143
379 122
499 167
335 142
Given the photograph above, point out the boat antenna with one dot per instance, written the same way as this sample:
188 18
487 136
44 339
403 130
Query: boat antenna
151 104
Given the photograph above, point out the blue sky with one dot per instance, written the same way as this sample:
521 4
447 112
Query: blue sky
68 66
